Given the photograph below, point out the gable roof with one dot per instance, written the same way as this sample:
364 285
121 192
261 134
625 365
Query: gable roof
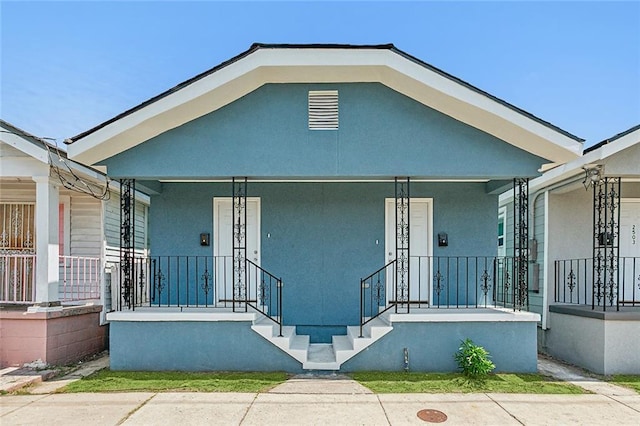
45 152
41 149
592 156
25 142
611 139
324 63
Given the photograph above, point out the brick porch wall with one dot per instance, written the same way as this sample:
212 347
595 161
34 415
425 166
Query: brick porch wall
57 338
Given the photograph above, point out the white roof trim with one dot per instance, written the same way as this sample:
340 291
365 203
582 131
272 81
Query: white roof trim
24 145
38 151
575 167
325 65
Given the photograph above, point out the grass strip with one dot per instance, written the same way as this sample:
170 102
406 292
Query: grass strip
402 382
629 381
176 381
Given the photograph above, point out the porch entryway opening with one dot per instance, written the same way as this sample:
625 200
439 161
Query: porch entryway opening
223 247
630 252
415 288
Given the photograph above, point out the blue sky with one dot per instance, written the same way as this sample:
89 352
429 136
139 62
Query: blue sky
68 66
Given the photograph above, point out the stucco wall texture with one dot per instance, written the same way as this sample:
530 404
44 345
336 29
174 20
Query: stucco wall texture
57 338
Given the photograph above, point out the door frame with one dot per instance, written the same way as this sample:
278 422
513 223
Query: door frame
621 289
388 226
217 201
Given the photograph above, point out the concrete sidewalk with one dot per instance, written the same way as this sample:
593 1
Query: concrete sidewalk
311 409
312 400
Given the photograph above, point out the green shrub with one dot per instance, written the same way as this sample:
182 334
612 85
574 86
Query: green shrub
473 360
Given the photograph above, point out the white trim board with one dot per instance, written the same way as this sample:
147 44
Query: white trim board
176 315
328 180
452 314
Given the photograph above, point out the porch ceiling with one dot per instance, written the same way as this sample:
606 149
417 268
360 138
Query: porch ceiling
325 64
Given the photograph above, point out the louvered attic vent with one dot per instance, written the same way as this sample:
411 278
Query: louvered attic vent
323 109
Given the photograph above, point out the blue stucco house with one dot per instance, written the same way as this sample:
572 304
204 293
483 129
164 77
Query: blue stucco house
322 207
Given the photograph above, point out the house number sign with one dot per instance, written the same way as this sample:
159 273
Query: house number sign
633 235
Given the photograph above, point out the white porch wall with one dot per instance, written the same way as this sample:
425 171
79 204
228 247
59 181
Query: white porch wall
112 242
112 226
17 192
85 232
570 225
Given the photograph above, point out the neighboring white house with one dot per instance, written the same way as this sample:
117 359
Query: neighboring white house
584 226
59 228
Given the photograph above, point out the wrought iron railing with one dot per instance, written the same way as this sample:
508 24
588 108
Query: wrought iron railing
80 278
440 282
204 281
17 278
373 290
610 285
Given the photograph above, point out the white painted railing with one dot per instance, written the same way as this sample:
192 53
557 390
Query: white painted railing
79 278
17 278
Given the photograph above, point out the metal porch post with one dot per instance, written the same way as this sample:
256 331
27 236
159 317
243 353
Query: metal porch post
402 212
606 248
127 243
239 214
521 243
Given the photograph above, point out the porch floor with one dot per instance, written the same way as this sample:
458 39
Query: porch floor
626 313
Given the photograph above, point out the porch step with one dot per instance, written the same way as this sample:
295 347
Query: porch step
293 344
346 347
321 356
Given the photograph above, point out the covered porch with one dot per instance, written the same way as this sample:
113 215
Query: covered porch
51 246
296 263
594 313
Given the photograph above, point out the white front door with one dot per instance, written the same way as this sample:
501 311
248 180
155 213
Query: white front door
629 250
223 244
420 250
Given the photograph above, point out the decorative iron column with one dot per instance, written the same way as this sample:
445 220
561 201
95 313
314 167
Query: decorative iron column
239 212
521 243
402 242
127 243
606 249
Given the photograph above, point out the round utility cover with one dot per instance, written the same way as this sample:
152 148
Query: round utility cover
432 416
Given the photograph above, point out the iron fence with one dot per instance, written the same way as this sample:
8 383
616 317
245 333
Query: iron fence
204 281
440 282
604 285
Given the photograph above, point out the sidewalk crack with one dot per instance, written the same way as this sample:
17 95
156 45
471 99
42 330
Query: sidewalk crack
248 408
505 410
130 413
26 405
383 410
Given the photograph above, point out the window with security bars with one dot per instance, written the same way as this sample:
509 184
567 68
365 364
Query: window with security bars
323 110
17 227
17 252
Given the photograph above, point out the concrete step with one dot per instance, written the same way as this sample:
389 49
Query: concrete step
293 344
321 357
343 348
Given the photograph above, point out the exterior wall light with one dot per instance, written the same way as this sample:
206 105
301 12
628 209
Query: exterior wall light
592 175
